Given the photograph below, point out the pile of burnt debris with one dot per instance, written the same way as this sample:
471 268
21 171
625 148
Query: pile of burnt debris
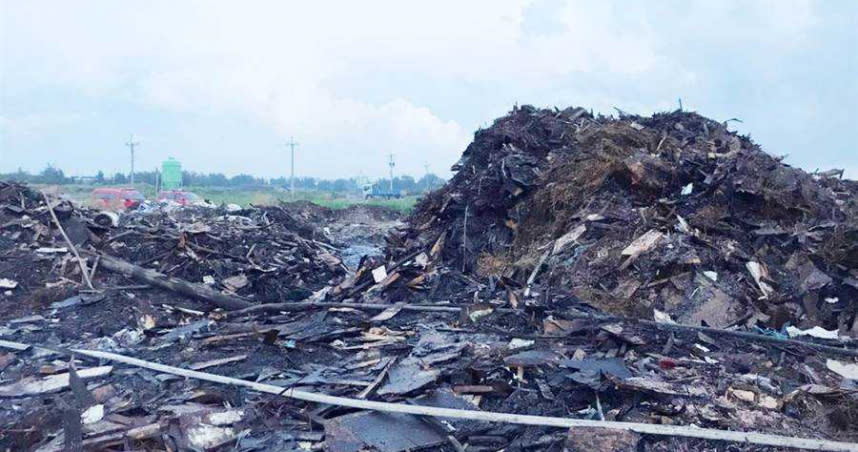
583 283
671 213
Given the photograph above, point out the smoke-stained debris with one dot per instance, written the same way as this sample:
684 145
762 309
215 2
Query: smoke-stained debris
610 196
660 270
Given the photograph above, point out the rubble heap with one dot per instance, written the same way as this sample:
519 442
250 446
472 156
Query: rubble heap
267 253
486 304
673 213
264 253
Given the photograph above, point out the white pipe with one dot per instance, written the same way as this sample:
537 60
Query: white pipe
763 439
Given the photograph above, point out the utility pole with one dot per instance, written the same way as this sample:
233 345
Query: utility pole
292 145
131 143
426 176
391 165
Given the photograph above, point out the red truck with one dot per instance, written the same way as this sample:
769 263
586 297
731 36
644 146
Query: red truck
116 198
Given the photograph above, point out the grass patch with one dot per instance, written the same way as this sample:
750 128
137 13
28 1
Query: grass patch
242 197
81 193
268 196
402 204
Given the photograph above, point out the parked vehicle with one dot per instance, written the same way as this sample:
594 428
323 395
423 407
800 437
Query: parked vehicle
116 198
184 198
375 191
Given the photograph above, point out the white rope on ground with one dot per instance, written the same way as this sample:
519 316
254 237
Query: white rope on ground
762 439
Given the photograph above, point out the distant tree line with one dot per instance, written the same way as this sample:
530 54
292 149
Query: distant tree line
49 175
55 176
409 185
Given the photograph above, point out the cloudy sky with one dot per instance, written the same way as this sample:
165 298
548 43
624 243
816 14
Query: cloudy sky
221 85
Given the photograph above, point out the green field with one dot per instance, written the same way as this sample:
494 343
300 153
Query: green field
246 197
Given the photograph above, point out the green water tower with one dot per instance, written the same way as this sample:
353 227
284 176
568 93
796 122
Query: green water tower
171 174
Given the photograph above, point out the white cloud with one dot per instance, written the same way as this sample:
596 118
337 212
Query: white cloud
279 63
31 124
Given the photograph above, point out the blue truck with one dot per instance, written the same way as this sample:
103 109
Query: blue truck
371 191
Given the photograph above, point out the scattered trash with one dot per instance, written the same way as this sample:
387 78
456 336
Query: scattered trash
845 370
388 313
206 437
92 414
379 274
598 439
107 219
661 317
758 272
379 431
570 237
6 283
67 303
51 383
516 343
589 371
646 270
816 331
235 283
641 245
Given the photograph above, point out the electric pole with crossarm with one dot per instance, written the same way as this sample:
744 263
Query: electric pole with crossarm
292 145
131 143
391 165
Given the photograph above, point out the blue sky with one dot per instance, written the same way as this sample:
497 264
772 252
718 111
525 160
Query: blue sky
221 85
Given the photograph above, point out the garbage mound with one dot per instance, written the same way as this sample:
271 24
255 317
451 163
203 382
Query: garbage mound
182 330
673 213
17 197
265 253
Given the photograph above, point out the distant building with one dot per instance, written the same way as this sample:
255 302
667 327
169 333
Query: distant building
171 174
83 179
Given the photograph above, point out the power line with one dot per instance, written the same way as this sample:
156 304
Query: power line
131 143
